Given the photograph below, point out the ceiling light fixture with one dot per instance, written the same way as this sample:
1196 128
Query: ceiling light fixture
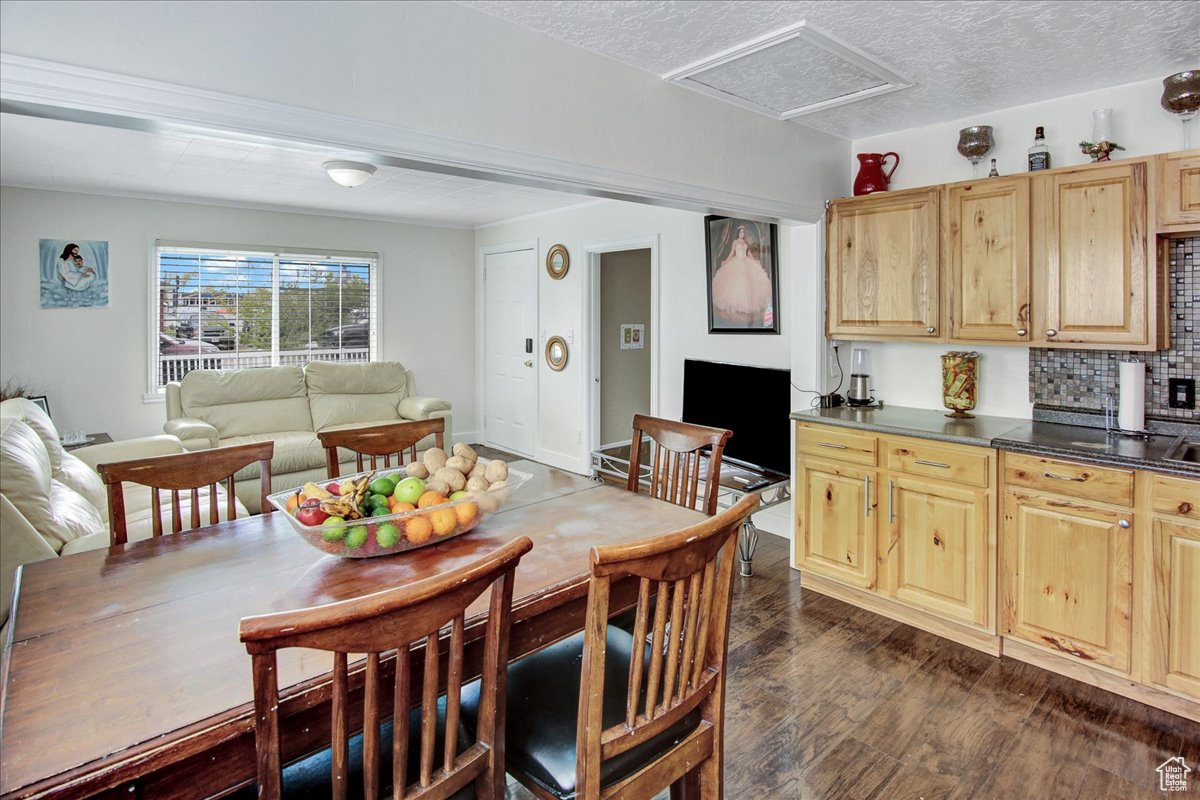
349 173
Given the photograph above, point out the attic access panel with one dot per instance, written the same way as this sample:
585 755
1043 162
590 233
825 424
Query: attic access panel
791 72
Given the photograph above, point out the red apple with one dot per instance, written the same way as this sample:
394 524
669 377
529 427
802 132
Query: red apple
334 488
310 513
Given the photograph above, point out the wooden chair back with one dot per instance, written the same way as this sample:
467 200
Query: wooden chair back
676 462
692 571
203 469
398 617
381 440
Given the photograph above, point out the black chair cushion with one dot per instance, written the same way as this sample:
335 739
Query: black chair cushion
543 711
311 778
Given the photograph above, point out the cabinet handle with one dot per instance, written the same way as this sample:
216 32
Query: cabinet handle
931 329
834 446
938 464
891 508
1124 523
1022 332
1052 332
1077 478
867 497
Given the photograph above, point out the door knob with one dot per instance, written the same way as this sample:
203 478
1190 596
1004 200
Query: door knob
1021 331
1052 332
930 329
529 362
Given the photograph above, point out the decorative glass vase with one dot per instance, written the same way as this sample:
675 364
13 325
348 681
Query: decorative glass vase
960 383
1181 96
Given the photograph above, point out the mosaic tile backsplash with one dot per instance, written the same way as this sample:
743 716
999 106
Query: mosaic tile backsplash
1081 379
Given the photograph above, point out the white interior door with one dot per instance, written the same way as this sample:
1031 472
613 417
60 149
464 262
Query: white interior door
510 366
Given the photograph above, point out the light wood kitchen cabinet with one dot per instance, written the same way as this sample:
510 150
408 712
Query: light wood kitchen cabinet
1095 266
1067 576
986 260
883 273
836 509
1174 604
1179 193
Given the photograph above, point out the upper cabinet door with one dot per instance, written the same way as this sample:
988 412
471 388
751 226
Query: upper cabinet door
987 260
882 277
1093 268
1179 193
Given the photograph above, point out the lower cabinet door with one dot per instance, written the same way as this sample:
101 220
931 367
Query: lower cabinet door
1067 577
1175 607
836 520
935 555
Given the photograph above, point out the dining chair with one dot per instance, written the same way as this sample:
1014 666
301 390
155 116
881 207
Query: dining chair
607 713
380 440
394 620
677 460
189 472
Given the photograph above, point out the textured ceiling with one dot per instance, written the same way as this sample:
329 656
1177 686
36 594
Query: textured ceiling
965 57
69 156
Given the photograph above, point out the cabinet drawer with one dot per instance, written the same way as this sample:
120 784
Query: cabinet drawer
1178 496
932 461
1106 484
827 442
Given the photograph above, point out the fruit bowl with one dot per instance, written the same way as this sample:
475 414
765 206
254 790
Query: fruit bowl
385 532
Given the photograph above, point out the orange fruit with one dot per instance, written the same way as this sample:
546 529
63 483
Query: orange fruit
431 498
293 503
444 520
397 507
468 515
418 529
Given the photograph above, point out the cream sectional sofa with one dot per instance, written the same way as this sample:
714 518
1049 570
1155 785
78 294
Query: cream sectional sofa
289 406
53 503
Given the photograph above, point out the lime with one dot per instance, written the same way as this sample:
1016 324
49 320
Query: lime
379 511
387 535
384 486
333 529
356 537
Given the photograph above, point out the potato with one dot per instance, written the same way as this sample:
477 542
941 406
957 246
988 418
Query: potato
417 470
497 470
478 484
435 485
497 485
435 459
478 471
464 450
461 464
488 503
452 477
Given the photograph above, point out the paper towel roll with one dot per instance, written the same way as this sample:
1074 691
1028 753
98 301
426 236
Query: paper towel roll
1131 387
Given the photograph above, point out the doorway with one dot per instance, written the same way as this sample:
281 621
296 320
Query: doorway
623 316
509 364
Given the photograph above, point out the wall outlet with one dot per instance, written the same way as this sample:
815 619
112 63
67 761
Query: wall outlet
1181 393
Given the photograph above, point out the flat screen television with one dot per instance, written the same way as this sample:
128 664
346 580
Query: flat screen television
753 402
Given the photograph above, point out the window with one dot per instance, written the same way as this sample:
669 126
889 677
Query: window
223 308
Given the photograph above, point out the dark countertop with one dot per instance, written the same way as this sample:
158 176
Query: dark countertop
919 422
1074 442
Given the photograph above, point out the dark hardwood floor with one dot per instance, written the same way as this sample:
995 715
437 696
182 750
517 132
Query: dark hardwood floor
829 701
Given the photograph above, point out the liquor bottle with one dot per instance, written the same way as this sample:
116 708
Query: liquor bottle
1039 154
993 173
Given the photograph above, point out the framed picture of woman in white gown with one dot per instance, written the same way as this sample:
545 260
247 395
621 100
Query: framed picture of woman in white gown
743 275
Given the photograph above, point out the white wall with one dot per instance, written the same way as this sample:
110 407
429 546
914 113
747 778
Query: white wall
91 362
448 71
909 373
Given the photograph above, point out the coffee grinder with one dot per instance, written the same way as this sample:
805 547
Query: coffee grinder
860 380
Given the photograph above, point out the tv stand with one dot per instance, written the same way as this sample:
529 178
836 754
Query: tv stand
735 482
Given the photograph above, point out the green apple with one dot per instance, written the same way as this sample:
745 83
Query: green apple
460 494
409 490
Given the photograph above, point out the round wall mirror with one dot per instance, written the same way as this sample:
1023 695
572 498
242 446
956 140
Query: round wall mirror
556 353
558 261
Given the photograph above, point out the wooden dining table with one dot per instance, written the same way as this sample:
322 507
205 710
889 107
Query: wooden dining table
122 671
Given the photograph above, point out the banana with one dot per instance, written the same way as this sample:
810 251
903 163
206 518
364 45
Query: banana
315 491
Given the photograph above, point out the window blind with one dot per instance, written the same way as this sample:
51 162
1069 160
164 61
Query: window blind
223 308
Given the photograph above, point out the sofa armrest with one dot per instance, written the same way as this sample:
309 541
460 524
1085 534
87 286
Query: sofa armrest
19 544
414 407
127 449
196 434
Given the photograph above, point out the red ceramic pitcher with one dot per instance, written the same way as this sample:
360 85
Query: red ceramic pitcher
871 177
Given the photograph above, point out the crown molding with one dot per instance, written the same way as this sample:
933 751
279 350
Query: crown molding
35 87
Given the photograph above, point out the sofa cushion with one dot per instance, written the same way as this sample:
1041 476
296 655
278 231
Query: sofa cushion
32 415
247 401
295 451
76 474
55 510
340 394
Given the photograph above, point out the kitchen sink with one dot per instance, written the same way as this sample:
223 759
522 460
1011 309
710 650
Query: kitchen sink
1184 449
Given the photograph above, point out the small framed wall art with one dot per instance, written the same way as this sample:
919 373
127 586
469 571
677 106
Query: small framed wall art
556 353
558 261
74 274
